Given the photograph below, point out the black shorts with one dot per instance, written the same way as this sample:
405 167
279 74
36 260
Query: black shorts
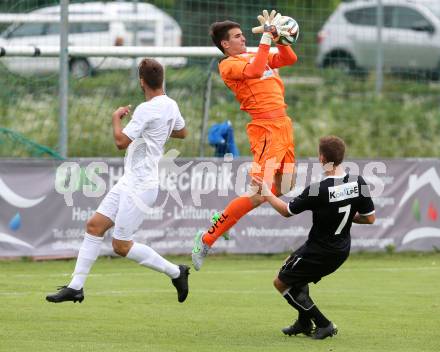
310 263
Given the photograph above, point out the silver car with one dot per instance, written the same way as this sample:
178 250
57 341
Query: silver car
158 29
410 35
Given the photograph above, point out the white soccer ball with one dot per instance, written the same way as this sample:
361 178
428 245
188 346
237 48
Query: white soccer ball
292 28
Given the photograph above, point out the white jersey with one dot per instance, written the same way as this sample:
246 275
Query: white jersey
149 128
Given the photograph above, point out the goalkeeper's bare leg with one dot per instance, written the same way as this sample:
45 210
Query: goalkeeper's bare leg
235 210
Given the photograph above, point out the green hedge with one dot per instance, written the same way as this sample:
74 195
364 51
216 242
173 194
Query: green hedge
404 122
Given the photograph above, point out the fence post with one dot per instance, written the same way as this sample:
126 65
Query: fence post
206 106
64 78
134 71
379 58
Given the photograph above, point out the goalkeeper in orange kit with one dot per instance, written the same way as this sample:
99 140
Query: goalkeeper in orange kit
254 79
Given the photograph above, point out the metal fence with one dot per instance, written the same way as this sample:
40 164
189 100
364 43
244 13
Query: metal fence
367 71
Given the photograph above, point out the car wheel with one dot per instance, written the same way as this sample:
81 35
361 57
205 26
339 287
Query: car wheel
80 68
341 62
434 75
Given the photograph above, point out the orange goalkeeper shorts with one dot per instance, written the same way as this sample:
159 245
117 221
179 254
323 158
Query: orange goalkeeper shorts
272 145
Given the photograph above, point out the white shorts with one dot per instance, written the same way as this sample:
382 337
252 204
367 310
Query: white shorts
127 209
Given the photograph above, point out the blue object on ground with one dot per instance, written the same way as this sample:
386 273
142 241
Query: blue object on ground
221 137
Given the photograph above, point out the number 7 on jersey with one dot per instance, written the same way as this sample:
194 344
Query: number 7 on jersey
346 211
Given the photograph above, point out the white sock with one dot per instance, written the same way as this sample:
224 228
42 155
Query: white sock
87 255
146 256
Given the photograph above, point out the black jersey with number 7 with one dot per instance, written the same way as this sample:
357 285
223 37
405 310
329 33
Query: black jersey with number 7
334 201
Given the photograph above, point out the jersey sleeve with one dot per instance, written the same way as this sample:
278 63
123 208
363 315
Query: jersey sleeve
180 122
366 205
303 202
137 123
232 69
285 57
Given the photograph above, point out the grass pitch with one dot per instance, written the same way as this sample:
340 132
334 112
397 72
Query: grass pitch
379 302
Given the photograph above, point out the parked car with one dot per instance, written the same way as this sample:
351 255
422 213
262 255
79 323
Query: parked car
158 29
410 35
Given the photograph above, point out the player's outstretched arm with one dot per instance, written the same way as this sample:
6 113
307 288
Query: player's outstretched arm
278 204
122 141
180 134
364 219
271 27
285 57
258 66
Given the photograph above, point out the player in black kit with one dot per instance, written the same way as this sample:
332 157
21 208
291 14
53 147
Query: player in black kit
336 202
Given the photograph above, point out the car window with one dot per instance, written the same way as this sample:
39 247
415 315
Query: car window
405 18
141 26
27 30
75 28
94 27
362 17
170 27
54 28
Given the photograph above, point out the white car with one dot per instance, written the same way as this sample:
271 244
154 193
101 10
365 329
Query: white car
158 29
410 35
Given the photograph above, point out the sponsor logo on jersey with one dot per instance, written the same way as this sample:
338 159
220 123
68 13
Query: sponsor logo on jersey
341 192
268 73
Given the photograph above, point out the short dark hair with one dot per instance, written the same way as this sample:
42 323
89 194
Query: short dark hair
220 31
151 72
332 148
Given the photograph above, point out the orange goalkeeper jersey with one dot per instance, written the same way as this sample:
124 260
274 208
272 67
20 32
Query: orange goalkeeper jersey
256 95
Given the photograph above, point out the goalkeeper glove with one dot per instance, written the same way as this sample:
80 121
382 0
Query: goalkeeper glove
271 27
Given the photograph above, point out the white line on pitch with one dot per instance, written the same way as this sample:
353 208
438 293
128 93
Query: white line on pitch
229 272
257 291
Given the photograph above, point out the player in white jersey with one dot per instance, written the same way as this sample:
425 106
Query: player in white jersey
153 122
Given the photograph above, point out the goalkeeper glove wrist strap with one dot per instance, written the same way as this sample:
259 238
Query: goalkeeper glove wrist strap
266 39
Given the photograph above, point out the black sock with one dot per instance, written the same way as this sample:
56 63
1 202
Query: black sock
303 317
320 320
